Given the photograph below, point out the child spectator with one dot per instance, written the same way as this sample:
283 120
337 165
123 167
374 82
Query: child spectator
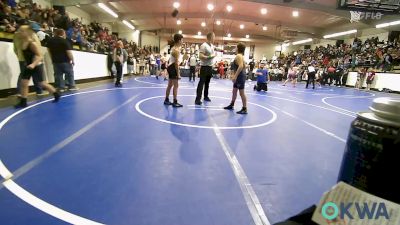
221 70
362 73
130 63
370 79
41 35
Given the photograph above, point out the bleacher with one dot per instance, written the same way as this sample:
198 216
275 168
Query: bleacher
4 36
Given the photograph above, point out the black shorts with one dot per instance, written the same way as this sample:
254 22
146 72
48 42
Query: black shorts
240 82
163 66
369 81
172 73
37 73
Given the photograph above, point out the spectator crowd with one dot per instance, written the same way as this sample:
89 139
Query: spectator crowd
332 62
370 53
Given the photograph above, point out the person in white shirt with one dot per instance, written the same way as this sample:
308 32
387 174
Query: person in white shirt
207 55
152 64
119 60
39 31
276 73
192 64
281 72
311 75
42 35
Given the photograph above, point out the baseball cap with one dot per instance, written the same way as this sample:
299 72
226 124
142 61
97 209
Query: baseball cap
35 26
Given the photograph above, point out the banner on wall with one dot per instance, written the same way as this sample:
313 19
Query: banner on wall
251 53
230 49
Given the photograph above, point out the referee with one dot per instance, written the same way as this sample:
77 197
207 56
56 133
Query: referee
311 75
207 55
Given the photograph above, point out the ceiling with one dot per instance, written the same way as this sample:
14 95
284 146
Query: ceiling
316 17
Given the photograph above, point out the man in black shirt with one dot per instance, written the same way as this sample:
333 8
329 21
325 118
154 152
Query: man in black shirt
251 68
63 61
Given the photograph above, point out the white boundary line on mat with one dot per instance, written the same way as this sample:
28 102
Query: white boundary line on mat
137 107
250 196
76 219
345 96
30 198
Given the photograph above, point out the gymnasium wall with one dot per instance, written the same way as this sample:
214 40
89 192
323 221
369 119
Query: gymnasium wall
266 50
75 12
292 48
43 3
163 45
373 32
323 42
381 80
364 35
123 32
109 26
130 35
151 39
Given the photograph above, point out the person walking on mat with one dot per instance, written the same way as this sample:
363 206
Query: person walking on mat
17 41
63 60
207 55
34 61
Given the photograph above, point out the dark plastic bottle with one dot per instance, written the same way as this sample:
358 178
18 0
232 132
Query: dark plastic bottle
371 160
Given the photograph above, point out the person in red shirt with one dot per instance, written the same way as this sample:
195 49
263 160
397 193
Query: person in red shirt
221 70
370 79
326 60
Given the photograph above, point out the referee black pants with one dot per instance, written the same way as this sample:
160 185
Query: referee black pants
118 67
338 80
205 78
192 74
311 78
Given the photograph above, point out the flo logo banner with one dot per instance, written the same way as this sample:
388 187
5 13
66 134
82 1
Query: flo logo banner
346 205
